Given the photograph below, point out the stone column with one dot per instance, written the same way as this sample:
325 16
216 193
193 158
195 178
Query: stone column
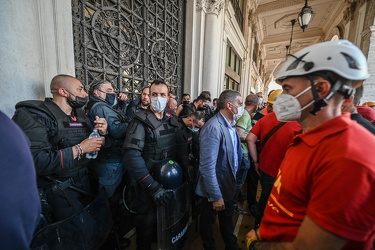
212 52
369 85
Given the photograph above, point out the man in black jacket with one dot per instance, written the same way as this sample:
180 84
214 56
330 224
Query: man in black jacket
58 130
350 106
150 139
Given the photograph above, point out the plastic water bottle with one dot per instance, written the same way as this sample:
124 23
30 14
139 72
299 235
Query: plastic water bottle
93 155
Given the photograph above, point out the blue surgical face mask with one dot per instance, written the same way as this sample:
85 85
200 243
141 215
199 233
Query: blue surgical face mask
111 98
260 100
195 130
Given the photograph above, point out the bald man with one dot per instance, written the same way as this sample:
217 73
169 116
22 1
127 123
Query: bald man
58 130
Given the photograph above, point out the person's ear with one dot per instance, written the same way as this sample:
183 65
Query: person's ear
63 92
228 105
347 104
323 87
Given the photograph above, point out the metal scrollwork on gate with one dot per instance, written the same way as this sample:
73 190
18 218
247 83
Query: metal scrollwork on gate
115 37
129 42
163 59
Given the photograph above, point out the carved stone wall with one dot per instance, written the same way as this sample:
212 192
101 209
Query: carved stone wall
210 6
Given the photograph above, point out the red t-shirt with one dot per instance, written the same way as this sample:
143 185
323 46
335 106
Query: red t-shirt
328 174
274 150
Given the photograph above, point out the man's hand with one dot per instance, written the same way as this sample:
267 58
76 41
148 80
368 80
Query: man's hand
91 145
101 125
122 97
256 168
252 235
160 196
218 205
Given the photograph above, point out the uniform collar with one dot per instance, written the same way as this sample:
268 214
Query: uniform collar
318 134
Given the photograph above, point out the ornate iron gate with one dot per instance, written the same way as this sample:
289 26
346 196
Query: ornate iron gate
129 42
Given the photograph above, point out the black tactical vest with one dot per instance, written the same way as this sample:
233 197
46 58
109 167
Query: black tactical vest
160 141
69 132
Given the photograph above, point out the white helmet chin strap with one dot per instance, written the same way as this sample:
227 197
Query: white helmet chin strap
337 86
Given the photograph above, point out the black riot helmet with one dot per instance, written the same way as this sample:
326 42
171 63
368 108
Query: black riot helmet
168 173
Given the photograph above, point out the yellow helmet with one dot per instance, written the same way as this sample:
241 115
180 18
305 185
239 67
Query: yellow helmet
369 104
272 97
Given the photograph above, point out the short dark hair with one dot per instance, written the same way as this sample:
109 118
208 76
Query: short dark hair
206 93
97 85
158 82
198 115
204 97
185 94
145 87
227 95
251 99
61 79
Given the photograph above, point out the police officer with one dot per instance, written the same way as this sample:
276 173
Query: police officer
187 155
150 138
58 130
189 125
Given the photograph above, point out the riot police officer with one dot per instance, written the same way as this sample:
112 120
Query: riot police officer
150 138
58 130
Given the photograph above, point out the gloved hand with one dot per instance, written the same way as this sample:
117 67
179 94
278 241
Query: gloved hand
159 194
189 173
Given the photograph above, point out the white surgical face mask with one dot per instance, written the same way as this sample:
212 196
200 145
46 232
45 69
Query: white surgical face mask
287 108
240 111
158 103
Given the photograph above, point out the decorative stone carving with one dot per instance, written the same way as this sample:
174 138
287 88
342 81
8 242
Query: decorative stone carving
349 11
251 16
210 6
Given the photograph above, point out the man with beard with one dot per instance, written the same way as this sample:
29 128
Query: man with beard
323 196
142 105
58 130
189 126
200 104
150 139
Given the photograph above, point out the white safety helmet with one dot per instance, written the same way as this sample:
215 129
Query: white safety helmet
341 57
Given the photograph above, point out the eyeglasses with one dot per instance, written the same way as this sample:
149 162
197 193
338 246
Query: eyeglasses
113 92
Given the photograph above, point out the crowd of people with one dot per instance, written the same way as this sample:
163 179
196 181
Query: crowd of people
309 145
